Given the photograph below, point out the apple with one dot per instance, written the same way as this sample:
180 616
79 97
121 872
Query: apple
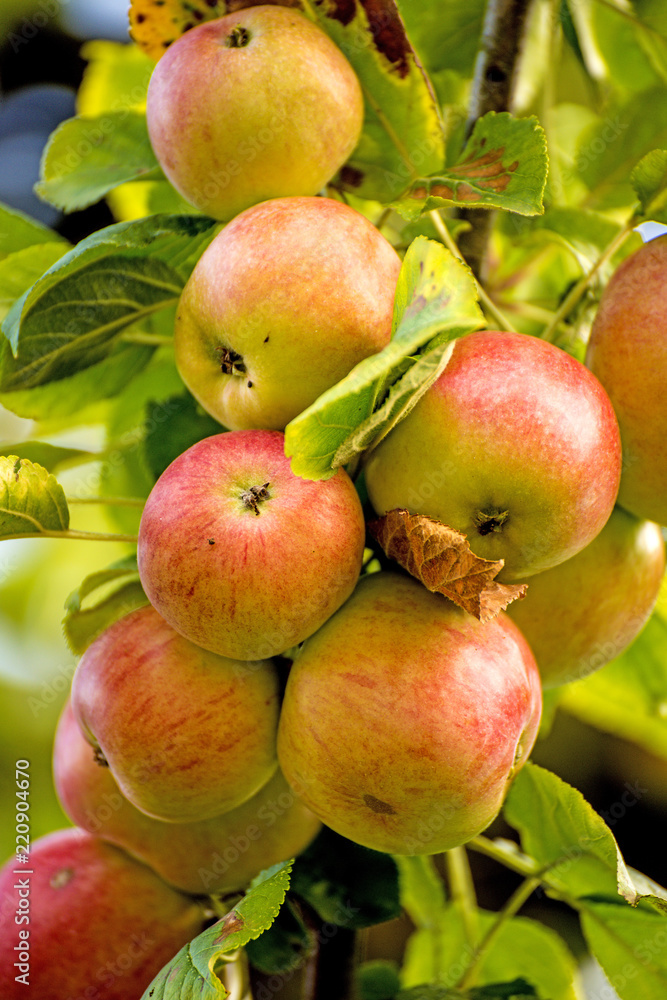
584 612
284 302
627 351
217 855
516 445
242 556
258 104
187 734
83 919
405 718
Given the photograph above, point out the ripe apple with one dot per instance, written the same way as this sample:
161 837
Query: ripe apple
216 855
404 718
187 734
254 105
627 351
284 302
584 612
516 445
242 556
99 924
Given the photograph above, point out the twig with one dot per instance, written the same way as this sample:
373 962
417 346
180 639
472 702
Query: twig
493 82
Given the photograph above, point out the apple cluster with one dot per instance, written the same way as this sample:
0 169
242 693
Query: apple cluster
184 758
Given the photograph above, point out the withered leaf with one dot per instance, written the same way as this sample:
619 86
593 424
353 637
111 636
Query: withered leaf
441 559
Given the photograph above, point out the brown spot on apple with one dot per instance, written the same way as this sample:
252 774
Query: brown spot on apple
61 878
378 806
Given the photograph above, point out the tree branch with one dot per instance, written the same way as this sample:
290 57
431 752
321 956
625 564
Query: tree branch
492 88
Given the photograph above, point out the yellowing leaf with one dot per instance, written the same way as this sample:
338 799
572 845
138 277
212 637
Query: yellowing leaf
442 560
155 24
32 501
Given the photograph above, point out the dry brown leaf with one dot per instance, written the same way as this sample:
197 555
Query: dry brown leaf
442 560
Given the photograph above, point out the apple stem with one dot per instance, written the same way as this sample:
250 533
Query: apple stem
462 890
89 536
489 305
111 501
151 339
510 909
577 291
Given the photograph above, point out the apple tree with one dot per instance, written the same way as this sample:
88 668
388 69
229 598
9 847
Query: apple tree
365 387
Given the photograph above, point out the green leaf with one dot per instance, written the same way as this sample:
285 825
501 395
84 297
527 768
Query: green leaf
522 948
565 836
503 165
285 946
18 232
441 42
649 179
50 456
116 76
31 499
71 318
347 885
20 270
173 426
610 150
69 397
518 989
628 697
114 591
377 979
86 158
585 234
631 947
435 303
192 972
402 133
422 891
561 831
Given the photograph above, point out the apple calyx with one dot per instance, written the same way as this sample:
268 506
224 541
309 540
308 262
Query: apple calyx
253 496
238 37
99 757
490 522
231 362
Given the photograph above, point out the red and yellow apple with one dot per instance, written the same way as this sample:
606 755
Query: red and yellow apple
516 445
285 301
186 733
254 105
405 718
584 612
217 855
84 919
627 351
242 556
